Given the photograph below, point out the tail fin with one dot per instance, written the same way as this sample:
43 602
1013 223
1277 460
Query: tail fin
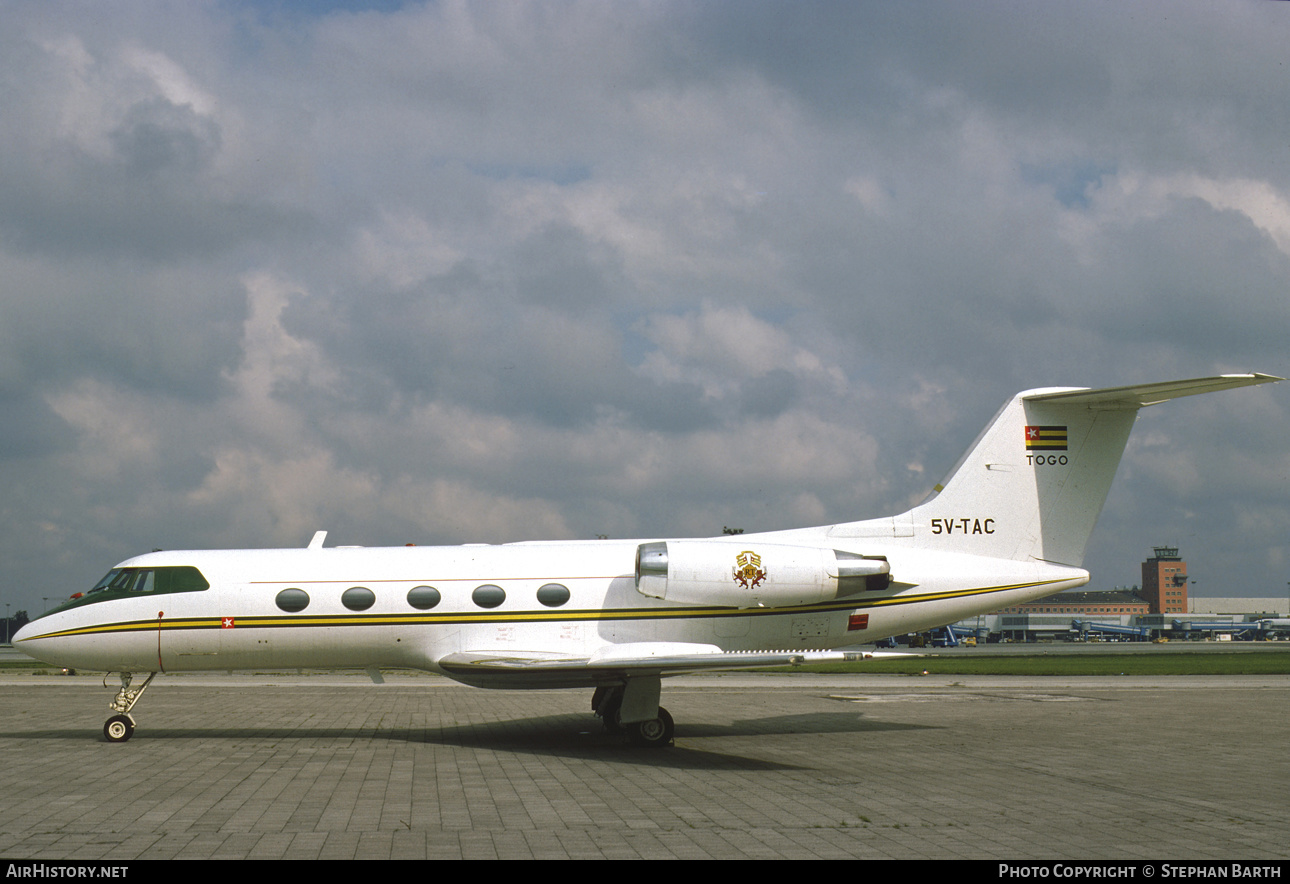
1033 484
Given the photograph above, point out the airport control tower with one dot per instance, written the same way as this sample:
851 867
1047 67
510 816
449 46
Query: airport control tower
1164 582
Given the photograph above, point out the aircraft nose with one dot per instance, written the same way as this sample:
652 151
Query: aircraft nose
22 639
29 641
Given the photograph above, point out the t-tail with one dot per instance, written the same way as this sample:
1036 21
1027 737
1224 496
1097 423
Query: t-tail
1033 484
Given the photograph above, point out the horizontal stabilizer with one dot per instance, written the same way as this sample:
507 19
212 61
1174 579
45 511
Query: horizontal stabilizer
1142 395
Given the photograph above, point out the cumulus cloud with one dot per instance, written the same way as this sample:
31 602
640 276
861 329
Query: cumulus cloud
443 272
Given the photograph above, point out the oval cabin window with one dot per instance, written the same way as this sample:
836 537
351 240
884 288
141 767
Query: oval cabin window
358 598
292 600
423 598
553 595
488 595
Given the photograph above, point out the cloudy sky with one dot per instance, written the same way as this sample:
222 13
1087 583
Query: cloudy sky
478 272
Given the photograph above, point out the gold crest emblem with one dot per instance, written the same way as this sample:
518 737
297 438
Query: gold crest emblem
748 571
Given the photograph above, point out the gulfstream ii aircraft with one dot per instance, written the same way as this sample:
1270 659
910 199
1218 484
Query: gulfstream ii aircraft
1009 525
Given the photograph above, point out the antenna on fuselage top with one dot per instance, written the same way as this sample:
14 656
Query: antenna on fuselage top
317 542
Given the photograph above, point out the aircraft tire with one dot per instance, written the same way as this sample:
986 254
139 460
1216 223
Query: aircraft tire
656 733
118 729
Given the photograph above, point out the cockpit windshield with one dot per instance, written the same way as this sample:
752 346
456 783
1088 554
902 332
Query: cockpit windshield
159 580
134 582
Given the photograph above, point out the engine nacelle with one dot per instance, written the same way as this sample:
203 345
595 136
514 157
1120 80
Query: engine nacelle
751 575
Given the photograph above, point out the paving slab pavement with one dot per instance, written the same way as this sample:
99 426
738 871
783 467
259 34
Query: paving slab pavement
280 766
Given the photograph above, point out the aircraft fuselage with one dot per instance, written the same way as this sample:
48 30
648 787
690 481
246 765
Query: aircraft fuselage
410 607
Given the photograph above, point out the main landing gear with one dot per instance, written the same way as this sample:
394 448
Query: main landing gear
633 710
120 727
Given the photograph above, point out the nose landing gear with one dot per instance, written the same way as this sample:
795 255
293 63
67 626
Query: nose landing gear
120 727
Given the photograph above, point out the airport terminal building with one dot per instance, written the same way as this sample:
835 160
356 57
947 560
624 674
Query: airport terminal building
1161 608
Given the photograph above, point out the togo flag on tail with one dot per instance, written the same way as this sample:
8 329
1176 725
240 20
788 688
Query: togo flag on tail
1046 438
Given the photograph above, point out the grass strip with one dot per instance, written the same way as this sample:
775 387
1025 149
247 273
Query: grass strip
1176 663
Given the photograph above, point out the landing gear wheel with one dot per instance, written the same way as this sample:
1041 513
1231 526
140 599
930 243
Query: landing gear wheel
118 729
655 733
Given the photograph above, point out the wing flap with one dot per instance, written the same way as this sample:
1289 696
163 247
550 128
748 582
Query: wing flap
618 662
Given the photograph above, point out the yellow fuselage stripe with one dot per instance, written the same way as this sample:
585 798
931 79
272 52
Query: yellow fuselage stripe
598 614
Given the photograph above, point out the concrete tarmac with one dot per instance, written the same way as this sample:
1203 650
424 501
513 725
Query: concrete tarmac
764 766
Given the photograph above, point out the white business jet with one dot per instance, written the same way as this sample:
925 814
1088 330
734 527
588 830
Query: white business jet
1009 525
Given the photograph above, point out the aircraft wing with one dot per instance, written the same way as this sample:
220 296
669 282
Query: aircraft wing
618 662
